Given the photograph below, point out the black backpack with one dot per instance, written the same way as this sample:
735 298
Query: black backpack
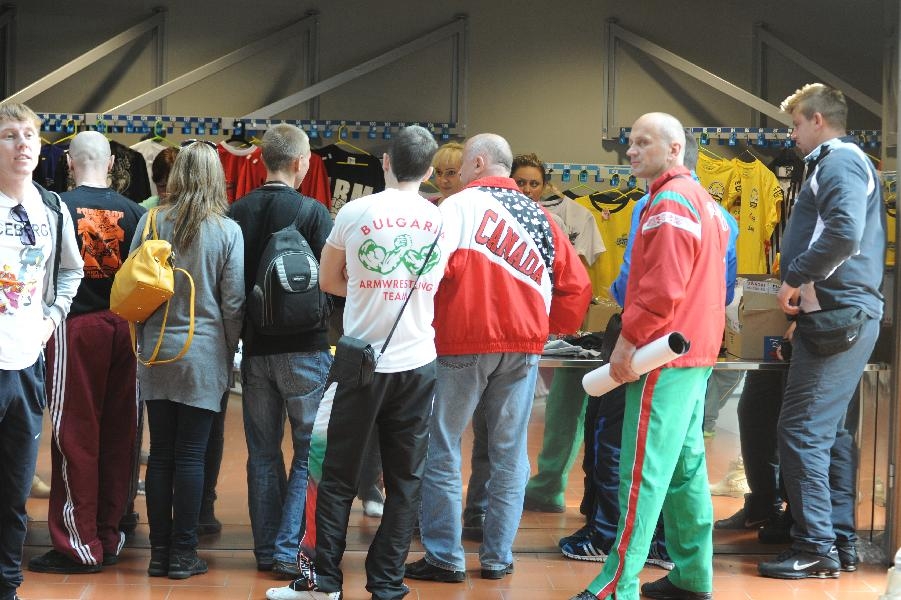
286 298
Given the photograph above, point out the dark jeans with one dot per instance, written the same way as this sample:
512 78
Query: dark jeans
213 458
397 405
814 446
758 417
22 402
174 481
603 440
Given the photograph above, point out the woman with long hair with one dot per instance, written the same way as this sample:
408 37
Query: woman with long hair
183 396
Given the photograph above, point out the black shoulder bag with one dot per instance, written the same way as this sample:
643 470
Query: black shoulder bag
355 360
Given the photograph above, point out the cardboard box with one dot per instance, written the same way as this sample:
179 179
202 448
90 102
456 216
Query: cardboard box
599 314
760 322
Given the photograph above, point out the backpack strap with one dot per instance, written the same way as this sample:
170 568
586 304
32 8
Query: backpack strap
53 201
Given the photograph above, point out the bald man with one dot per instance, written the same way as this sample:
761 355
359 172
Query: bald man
675 284
91 375
513 278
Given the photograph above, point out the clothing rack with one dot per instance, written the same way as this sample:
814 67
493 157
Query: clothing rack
588 172
161 125
760 136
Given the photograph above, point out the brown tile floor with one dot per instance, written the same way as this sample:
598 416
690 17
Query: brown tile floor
541 572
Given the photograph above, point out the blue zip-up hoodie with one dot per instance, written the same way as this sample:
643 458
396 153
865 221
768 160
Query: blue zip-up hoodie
835 237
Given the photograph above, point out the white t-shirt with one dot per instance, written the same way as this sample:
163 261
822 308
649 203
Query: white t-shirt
579 225
22 283
385 237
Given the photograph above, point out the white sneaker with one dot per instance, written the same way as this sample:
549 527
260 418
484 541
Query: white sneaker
734 484
286 593
372 508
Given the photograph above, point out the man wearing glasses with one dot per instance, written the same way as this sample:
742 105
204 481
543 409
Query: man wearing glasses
40 270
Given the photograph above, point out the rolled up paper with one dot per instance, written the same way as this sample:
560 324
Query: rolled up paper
647 358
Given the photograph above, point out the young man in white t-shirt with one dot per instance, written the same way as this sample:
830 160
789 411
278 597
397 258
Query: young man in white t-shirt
378 246
40 269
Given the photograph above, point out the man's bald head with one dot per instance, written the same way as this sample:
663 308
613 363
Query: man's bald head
89 158
486 155
656 144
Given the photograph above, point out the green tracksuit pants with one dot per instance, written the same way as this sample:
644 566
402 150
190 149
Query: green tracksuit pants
662 467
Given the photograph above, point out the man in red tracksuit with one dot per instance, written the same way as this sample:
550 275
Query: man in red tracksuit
676 284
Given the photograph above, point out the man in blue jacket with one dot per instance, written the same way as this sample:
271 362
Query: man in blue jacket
833 252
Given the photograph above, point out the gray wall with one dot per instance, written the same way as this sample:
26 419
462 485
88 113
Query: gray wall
535 68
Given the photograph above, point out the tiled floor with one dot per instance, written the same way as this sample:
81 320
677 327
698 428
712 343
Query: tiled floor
541 572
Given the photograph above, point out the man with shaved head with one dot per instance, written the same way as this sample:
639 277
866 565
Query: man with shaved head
513 278
676 283
91 367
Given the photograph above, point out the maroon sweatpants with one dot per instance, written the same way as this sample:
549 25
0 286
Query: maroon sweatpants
92 402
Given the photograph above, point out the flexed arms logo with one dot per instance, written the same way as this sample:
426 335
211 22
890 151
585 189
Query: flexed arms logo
380 260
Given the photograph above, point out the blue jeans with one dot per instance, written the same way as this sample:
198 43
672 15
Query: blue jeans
814 447
22 402
273 386
501 386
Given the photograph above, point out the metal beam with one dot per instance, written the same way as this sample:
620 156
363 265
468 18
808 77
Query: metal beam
703 75
818 71
459 81
330 83
86 59
191 77
8 27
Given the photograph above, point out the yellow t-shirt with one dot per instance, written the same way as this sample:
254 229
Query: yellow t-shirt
614 219
758 212
717 175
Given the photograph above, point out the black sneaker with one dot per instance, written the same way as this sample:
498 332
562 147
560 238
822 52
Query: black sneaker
664 589
497 573
429 572
798 564
159 561
777 529
584 595
208 525
579 534
54 561
185 563
739 520
283 569
659 558
847 556
582 548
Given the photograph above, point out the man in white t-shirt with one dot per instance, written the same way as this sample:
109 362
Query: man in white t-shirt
40 269
378 246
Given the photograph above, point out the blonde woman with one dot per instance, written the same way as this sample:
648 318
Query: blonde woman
182 397
447 163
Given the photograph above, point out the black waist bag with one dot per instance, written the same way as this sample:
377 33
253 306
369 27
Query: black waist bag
828 332
354 362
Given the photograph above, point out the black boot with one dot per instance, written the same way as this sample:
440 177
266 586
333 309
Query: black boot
159 561
184 563
208 524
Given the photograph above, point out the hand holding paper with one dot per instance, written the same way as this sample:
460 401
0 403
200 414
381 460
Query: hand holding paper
647 358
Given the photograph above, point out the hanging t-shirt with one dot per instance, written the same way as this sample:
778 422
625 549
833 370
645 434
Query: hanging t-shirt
889 195
386 237
579 225
244 169
612 211
352 175
717 175
128 175
315 184
45 172
759 210
149 149
22 281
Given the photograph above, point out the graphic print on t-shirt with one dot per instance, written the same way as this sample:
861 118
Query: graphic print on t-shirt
19 285
101 241
380 260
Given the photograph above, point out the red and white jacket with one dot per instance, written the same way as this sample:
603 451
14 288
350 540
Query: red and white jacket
512 276
678 269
